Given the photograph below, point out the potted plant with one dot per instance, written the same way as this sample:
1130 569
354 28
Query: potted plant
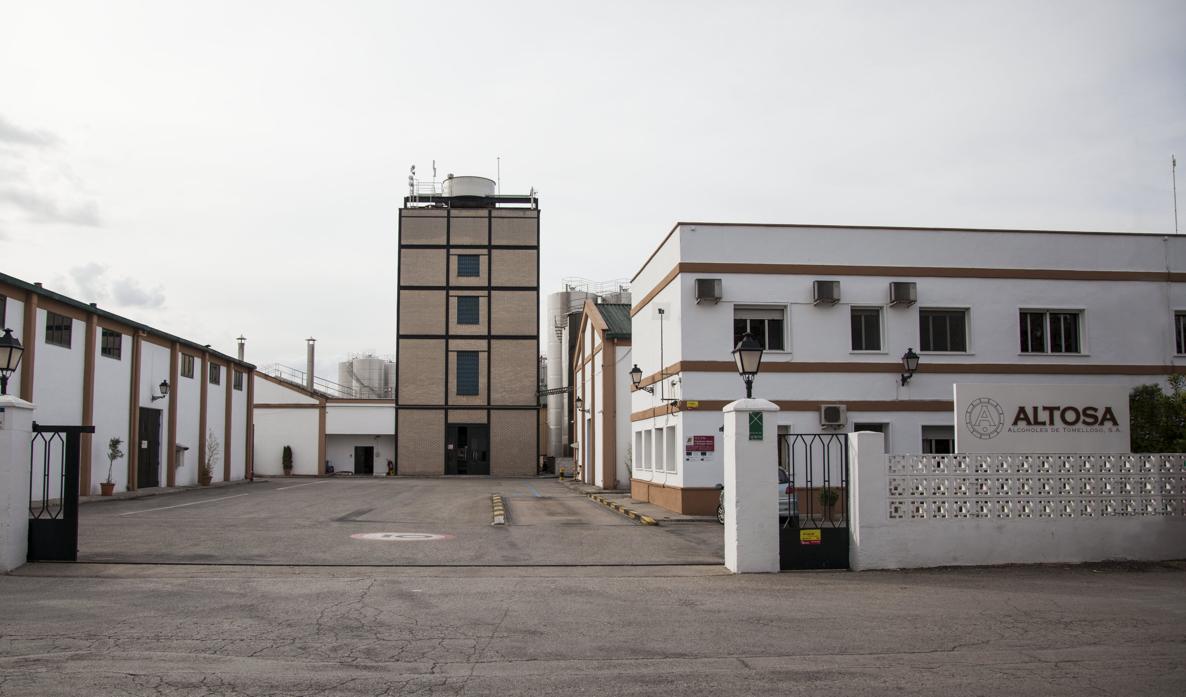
206 467
286 460
828 498
114 452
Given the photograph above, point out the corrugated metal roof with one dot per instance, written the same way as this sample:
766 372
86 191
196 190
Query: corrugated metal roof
617 320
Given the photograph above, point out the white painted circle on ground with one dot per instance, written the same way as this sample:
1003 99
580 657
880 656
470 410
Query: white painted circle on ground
401 536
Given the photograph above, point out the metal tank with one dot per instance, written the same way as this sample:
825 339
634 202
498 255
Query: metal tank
468 186
366 376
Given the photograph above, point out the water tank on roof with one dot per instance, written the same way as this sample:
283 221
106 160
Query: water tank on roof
467 186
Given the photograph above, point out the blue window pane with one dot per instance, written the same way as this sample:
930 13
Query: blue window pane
469 265
467 310
467 372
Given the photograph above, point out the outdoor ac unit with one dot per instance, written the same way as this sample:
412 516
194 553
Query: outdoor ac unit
903 293
827 292
833 415
708 289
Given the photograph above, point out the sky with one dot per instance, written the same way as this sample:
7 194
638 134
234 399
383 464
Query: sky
223 168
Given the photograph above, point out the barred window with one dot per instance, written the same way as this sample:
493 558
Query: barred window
112 344
467 372
1180 331
467 310
1050 331
866 329
58 329
765 323
215 374
187 366
237 380
469 265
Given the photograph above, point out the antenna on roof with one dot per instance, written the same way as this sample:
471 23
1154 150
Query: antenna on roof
498 169
1174 175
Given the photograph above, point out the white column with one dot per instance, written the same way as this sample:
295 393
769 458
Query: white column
751 489
868 500
16 429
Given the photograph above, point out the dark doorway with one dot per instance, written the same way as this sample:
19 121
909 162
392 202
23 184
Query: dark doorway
364 459
467 449
148 467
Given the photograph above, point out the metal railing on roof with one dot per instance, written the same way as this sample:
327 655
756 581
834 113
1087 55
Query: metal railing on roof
298 377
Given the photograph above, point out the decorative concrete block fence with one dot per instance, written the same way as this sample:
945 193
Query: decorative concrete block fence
951 510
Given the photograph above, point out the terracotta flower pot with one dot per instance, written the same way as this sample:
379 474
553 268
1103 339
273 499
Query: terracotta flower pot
106 488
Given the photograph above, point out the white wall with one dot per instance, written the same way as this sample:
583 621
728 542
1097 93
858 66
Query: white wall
268 392
909 511
215 415
189 403
240 423
275 428
15 320
57 386
113 379
360 419
154 367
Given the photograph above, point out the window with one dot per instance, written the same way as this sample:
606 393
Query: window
237 380
467 372
638 456
764 323
1045 331
647 449
467 309
1180 331
866 329
57 329
187 366
112 344
4 313
469 265
669 452
215 374
943 330
938 440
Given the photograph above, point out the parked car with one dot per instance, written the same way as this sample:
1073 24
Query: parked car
788 500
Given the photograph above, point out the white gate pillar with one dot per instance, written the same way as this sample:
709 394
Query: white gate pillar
751 487
16 430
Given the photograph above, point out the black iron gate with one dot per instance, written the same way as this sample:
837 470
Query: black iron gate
814 532
54 456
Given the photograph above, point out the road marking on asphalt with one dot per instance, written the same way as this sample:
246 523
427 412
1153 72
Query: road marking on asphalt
401 536
534 492
180 505
294 486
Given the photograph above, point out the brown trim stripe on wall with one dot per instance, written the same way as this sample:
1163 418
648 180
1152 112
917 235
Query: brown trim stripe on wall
86 443
924 368
905 271
715 405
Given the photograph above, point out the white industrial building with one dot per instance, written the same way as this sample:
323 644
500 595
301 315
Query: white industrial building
601 394
164 397
836 309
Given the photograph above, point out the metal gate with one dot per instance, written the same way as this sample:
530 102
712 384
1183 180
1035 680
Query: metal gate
814 532
54 456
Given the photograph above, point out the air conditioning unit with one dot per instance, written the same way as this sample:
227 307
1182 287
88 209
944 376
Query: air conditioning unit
903 293
826 292
833 415
708 289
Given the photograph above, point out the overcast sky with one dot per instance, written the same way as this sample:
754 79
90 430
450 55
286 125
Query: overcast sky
226 168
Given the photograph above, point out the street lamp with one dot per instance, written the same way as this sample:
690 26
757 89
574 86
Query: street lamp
909 365
636 378
748 355
164 388
10 357
580 404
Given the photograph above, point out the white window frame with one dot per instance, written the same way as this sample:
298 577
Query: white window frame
1082 312
786 322
880 329
923 438
1177 314
967 329
885 430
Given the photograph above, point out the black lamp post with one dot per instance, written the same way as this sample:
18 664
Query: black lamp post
636 379
10 357
909 365
748 355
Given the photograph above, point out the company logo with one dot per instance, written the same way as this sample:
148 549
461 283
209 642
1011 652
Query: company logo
984 418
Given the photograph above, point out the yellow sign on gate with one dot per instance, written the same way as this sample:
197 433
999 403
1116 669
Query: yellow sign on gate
809 537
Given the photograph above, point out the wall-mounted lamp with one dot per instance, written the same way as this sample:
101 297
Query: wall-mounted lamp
10 357
580 404
636 379
164 388
748 356
909 365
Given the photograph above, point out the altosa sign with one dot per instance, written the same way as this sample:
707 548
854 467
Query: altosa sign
1041 418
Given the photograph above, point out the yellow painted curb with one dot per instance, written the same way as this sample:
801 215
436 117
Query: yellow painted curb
633 515
498 510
